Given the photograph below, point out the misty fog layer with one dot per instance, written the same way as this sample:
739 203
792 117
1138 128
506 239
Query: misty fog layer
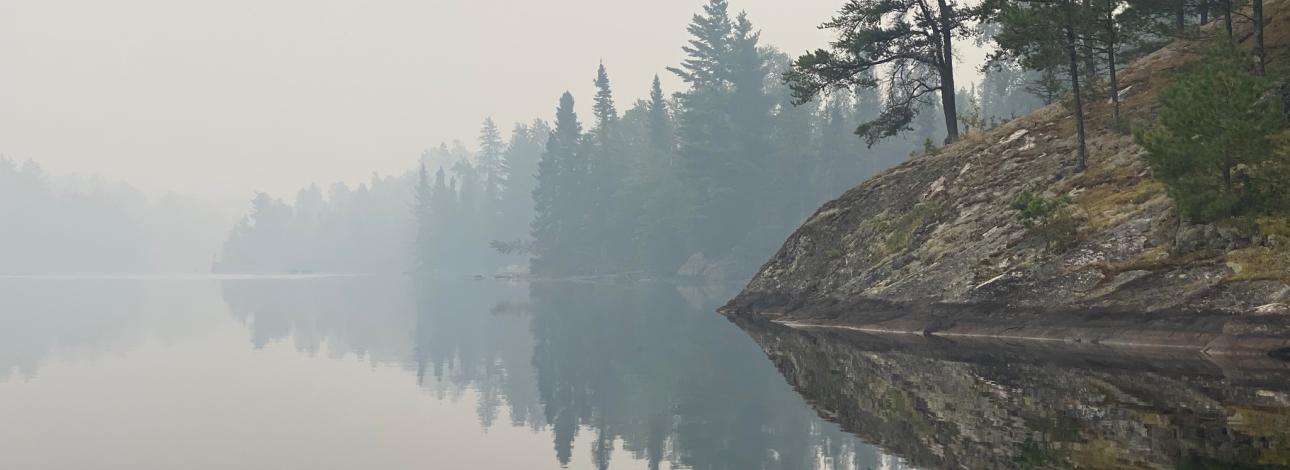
318 155
68 225
222 99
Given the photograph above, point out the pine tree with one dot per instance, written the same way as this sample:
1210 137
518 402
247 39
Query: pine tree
1215 123
1260 57
911 41
1045 35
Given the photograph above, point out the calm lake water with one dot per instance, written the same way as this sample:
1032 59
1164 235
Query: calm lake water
377 373
369 372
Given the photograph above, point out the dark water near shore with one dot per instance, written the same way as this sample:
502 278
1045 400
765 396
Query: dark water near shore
384 373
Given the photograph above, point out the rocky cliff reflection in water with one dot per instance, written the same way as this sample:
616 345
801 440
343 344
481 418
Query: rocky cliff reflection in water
956 404
387 373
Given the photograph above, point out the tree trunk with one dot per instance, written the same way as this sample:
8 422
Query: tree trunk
1181 16
948 103
1204 12
1227 175
1111 43
1227 18
1285 102
1081 155
1258 38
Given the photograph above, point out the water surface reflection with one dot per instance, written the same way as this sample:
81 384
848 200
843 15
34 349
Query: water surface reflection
388 373
971 404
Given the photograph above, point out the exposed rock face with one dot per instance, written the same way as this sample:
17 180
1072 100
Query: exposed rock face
950 404
940 228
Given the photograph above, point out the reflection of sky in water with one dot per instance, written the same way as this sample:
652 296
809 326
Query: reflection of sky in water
370 373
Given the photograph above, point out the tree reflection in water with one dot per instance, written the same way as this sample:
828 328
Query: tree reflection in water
647 369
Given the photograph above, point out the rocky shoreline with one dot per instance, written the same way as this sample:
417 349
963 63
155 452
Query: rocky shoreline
937 247
1211 333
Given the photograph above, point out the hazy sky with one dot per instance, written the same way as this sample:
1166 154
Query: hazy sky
222 98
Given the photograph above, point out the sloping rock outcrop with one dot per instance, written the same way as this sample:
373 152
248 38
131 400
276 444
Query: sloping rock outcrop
903 250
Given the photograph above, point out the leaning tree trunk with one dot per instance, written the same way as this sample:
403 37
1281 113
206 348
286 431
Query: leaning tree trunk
948 103
1259 54
1111 43
1081 154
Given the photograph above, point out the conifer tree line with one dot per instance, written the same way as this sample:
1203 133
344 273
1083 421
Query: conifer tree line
1068 48
446 211
756 140
710 178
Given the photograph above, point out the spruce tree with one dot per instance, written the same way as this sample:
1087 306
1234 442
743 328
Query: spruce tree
705 134
603 108
491 164
660 131
556 212
709 45
608 228
749 113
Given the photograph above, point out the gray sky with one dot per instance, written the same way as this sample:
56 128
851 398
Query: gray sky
222 98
